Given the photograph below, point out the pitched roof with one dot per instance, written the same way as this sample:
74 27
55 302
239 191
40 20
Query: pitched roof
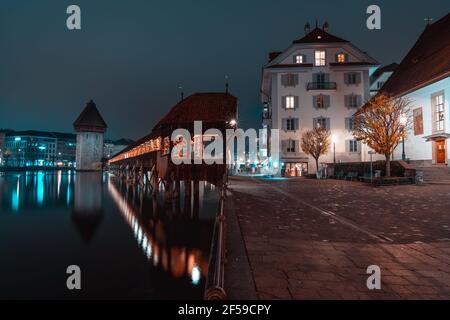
90 119
427 62
319 36
387 68
207 107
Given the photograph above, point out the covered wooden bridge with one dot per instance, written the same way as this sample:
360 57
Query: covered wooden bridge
148 162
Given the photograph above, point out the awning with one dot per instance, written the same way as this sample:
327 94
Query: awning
437 136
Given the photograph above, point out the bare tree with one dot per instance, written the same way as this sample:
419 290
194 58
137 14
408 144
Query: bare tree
382 124
315 143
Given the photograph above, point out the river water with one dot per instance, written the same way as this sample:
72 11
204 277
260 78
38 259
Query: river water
128 244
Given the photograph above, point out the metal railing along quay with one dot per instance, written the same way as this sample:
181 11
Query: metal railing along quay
215 284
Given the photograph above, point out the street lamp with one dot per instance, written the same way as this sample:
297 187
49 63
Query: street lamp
403 121
233 123
334 139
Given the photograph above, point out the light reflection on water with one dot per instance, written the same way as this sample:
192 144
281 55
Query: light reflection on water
128 244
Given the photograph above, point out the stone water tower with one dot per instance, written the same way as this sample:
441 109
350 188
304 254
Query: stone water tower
90 128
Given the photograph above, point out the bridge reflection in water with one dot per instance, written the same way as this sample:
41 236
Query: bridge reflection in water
49 220
171 233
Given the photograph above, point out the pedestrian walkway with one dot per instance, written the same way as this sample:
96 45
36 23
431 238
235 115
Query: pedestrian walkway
309 239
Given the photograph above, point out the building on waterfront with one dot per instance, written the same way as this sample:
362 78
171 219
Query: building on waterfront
2 146
90 128
320 80
424 78
39 149
380 77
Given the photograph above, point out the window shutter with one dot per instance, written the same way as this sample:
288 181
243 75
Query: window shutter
315 102
314 123
347 101
358 146
347 145
346 57
328 123
283 102
327 101
326 76
284 124
295 102
346 78
284 80
359 100
296 124
304 58
295 80
283 146
297 146
347 123
358 78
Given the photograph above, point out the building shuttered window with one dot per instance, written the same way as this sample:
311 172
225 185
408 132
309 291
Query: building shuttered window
352 78
289 80
289 102
353 101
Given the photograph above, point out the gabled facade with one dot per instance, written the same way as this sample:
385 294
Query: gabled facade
424 78
320 80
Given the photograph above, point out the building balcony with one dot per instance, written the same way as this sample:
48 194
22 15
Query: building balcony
321 86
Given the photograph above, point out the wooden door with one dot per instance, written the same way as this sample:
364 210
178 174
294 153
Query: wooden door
440 152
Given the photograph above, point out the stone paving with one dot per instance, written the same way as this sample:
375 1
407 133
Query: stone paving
309 239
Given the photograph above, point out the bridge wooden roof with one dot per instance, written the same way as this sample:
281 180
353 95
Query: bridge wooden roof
211 108
206 107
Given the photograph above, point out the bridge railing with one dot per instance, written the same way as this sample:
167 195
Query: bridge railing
215 285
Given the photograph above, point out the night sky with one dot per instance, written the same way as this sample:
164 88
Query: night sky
131 56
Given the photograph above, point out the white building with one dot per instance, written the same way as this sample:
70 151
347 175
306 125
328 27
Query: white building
320 80
424 77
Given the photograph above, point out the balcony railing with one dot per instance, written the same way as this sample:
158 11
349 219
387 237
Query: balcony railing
321 86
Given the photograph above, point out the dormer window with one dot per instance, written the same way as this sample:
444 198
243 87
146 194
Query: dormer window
299 59
320 59
341 58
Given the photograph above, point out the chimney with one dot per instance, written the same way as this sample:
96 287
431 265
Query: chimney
307 27
326 26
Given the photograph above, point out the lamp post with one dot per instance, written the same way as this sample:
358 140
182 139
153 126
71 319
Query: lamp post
403 121
371 153
333 138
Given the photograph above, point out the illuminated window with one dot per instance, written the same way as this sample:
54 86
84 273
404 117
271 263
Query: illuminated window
290 102
320 58
320 102
299 59
439 112
341 58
